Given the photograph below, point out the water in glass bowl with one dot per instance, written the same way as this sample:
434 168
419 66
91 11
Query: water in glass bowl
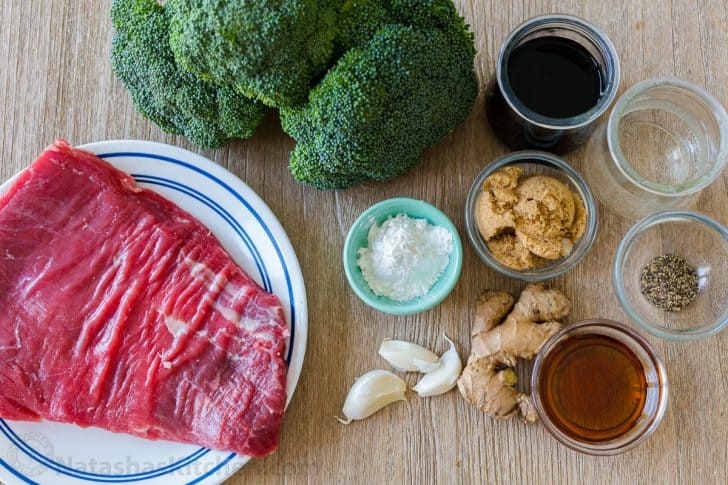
664 144
665 140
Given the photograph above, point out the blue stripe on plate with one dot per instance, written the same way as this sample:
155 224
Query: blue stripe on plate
222 464
94 477
39 457
17 473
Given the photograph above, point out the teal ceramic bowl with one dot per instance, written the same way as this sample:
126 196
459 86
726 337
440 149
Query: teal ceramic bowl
357 239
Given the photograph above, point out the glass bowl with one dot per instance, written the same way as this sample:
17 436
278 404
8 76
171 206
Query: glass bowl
665 140
534 163
695 237
656 391
357 238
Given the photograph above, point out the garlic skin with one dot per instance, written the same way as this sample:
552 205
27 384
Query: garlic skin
370 393
444 378
408 357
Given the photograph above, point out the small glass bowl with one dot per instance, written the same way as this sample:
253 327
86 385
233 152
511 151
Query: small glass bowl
665 140
695 237
357 239
534 162
656 393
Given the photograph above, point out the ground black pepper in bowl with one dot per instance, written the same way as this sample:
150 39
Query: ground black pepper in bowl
669 282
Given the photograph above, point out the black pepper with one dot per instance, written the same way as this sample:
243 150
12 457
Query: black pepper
669 282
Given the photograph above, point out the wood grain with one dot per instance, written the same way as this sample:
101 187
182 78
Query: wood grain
55 81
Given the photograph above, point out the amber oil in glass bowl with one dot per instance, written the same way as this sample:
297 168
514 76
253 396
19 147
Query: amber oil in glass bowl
598 387
593 387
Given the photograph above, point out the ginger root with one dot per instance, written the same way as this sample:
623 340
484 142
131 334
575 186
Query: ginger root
502 333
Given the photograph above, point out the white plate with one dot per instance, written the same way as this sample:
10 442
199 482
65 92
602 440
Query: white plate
53 453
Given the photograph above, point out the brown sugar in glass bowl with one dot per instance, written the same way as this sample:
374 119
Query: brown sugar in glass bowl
534 163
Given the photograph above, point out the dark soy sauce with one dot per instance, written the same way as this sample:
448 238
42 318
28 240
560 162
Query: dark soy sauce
551 76
554 77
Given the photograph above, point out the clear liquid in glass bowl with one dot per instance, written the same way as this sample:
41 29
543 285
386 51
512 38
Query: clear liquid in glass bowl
665 140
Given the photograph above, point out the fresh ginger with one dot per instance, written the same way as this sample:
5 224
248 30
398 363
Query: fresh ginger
502 333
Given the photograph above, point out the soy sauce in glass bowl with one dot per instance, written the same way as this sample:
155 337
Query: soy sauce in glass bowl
555 75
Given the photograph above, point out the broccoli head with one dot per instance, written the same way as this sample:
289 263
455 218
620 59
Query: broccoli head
178 101
384 102
268 50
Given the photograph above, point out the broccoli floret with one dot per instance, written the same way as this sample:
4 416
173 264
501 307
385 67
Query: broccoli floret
268 50
441 14
308 167
176 100
358 21
383 103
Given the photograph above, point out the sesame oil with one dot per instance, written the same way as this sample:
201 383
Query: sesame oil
593 388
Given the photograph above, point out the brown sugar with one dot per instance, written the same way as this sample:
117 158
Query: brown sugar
526 221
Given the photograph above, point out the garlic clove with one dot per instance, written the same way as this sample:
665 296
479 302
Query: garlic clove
444 378
425 366
406 356
370 393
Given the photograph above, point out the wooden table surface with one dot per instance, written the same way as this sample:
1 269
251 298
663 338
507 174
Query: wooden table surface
56 81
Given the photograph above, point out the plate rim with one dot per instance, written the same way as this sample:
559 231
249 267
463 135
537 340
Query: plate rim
237 188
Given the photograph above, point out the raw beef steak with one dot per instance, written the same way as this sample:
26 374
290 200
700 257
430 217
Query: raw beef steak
120 310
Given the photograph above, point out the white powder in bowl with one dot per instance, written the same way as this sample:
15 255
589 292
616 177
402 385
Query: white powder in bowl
404 257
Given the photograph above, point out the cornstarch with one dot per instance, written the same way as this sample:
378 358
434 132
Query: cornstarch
404 257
